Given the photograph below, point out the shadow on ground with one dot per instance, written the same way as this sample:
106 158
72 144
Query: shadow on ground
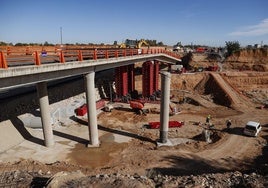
194 165
120 132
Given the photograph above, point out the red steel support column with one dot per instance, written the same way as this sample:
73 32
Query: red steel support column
156 75
147 79
117 75
121 81
131 78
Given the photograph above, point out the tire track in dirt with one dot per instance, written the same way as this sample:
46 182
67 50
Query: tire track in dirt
229 154
231 146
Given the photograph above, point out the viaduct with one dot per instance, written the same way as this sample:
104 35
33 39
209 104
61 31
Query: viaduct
87 64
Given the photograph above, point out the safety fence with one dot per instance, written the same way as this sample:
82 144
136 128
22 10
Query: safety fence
61 56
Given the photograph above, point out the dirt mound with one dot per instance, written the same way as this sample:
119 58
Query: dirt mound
253 85
212 87
249 59
154 178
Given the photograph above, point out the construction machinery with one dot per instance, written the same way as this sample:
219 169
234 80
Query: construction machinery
133 43
137 106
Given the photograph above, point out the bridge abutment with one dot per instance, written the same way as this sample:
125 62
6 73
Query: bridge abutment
45 113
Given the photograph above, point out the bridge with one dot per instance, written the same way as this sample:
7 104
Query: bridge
41 68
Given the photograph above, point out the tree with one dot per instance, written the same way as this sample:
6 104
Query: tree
186 60
46 43
232 46
160 44
3 43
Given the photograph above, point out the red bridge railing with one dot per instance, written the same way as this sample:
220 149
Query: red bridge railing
61 56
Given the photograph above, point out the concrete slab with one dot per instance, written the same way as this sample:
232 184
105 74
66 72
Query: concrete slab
9 136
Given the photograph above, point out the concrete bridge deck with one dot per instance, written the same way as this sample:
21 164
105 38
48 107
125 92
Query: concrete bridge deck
23 75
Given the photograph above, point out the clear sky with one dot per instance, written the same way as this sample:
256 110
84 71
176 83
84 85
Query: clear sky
205 22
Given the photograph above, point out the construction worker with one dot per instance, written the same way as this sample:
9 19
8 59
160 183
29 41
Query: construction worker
228 124
208 119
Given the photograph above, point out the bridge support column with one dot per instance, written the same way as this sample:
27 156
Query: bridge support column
45 113
92 112
164 108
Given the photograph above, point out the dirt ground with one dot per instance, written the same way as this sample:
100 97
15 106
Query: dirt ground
129 156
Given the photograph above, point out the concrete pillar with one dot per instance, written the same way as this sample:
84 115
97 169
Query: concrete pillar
45 113
91 106
164 108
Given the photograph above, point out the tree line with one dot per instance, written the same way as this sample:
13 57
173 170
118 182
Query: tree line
2 43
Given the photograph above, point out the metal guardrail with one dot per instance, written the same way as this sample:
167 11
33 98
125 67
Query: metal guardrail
61 56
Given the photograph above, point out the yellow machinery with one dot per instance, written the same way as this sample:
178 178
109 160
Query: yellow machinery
133 44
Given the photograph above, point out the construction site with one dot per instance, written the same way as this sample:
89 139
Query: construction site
201 150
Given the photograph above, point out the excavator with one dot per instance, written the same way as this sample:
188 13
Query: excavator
133 44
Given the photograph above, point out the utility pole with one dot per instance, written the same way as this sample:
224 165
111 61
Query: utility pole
61 36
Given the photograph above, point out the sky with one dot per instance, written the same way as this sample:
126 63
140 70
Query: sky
203 22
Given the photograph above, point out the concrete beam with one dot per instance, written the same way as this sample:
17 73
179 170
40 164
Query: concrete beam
164 108
92 111
45 113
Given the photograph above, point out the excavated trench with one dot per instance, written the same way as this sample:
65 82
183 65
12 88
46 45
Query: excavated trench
209 87
219 96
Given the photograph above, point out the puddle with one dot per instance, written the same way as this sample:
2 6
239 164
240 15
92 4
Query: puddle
63 142
97 157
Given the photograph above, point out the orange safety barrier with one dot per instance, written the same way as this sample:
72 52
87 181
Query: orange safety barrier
95 54
77 54
37 58
80 55
116 53
3 62
106 54
27 51
62 59
8 50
